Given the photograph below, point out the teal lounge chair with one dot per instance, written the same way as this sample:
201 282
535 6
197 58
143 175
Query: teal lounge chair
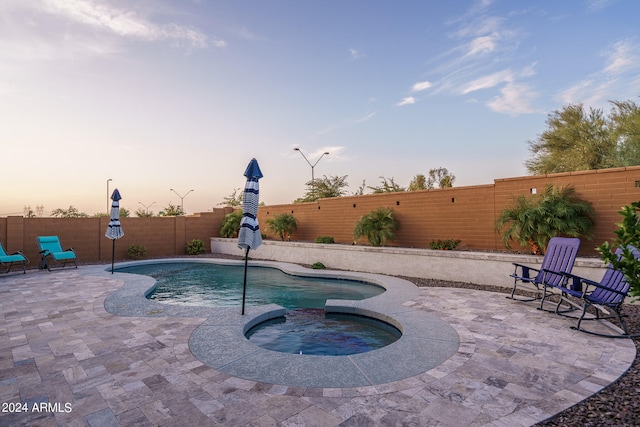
8 260
50 247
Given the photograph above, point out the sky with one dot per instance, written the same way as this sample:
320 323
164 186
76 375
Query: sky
157 95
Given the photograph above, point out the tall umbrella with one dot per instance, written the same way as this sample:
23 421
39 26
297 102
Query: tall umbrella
114 229
249 236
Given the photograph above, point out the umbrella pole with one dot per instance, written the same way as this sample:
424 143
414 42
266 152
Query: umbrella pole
113 253
244 285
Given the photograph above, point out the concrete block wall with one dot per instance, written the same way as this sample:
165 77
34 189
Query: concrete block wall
162 236
464 213
608 190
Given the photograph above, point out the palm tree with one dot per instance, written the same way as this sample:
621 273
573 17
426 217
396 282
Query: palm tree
282 225
534 221
521 222
231 224
377 226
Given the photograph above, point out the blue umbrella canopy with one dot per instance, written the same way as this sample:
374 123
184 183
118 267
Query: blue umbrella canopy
249 236
114 230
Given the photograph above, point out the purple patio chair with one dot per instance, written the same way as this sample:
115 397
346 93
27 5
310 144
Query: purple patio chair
558 258
606 297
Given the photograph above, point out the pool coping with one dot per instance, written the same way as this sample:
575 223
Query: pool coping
219 342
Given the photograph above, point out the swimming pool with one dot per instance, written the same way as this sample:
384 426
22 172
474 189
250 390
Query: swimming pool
219 340
214 285
304 329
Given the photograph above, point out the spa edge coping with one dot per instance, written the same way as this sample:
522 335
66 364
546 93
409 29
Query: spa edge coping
220 340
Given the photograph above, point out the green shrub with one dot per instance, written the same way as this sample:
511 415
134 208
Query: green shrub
444 245
377 226
318 266
325 239
282 225
231 224
533 221
627 237
195 247
137 251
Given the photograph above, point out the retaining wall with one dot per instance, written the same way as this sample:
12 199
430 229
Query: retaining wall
482 268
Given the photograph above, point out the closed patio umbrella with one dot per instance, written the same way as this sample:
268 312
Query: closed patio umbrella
114 229
249 236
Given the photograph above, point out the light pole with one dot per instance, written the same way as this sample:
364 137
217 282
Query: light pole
313 180
146 208
108 181
181 198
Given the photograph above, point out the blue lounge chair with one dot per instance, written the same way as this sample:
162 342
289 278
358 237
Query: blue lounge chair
50 247
8 260
606 297
558 258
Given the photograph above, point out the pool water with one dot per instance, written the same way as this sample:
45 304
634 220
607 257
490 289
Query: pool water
305 328
208 284
312 332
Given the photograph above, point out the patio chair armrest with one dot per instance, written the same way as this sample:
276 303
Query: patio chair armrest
577 283
525 270
44 252
20 253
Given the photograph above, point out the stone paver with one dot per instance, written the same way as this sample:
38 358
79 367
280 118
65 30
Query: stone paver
65 360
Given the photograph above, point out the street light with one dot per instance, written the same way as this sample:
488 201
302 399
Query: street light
108 181
313 182
181 198
146 208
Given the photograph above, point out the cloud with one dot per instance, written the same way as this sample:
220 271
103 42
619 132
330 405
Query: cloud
335 153
483 44
406 101
487 82
246 34
355 54
616 79
344 123
483 57
514 99
622 56
365 118
420 86
596 5
126 23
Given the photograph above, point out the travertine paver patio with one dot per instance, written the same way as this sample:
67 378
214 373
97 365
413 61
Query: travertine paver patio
64 360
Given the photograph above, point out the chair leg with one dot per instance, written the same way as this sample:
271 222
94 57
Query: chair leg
623 324
513 292
584 312
544 297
